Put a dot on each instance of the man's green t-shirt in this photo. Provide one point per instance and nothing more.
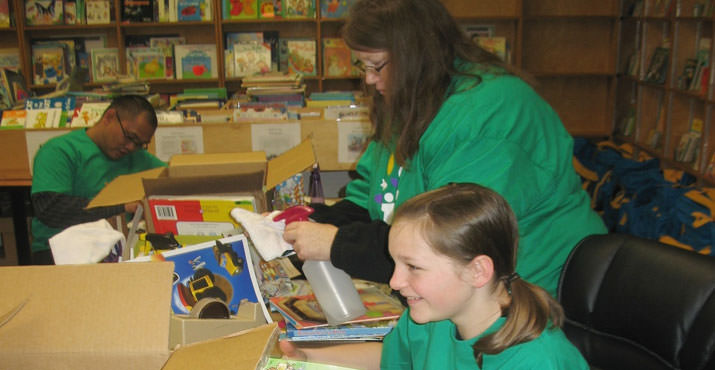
(73, 164)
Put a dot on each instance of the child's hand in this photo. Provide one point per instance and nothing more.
(291, 351)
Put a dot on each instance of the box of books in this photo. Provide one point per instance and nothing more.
(110, 316)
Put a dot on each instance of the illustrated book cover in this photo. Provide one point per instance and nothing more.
(105, 64)
(298, 8)
(150, 63)
(14, 84)
(299, 56)
(335, 8)
(64, 104)
(222, 269)
(251, 58)
(137, 11)
(89, 113)
(240, 9)
(48, 62)
(337, 59)
(196, 61)
(269, 9)
(371, 330)
(304, 311)
(43, 12)
(13, 118)
(98, 11)
(10, 58)
(167, 44)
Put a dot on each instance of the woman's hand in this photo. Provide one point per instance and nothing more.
(311, 240)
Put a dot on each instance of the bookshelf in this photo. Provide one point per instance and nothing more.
(654, 116)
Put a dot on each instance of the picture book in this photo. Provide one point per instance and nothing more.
(13, 118)
(196, 61)
(105, 64)
(4, 14)
(89, 114)
(269, 9)
(43, 118)
(166, 44)
(186, 215)
(494, 44)
(137, 11)
(372, 330)
(70, 12)
(300, 55)
(14, 85)
(233, 38)
(304, 311)
(285, 364)
(71, 48)
(150, 63)
(43, 12)
(658, 66)
(334, 8)
(298, 8)
(98, 11)
(48, 62)
(65, 105)
(222, 269)
(251, 58)
(190, 10)
(337, 59)
(240, 9)
(10, 58)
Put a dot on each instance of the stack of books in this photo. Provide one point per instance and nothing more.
(305, 321)
(272, 88)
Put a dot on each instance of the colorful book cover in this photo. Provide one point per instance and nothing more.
(48, 64)
(372, 330)
(304, 311)
(105, 64)
(167, 46)
(182, 215)
(4, 14)
(284, 364)
(10, 58)
(43, 12)
(301, 56)
(240, 9)
(268, 9)
(70, 12)
(64, 104)
(337, 59)
(13, 119)
(89, 114)
(98, 11)
(189, 10)
(138, 11)
(14, 84)
(196, 61)
(150, 63)
(222, 269)
(334, 8)
(238, 37)
(299, 8)
(43, 118)
(251, 58)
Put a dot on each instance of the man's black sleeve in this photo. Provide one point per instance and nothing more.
(360, 246)
(62, 210)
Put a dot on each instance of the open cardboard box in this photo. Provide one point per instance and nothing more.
(108, 316)
(224, 173)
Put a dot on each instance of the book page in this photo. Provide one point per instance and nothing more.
(178, 140)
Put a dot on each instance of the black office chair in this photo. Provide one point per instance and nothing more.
(633, 303)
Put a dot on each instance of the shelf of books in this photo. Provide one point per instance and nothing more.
(664, 94)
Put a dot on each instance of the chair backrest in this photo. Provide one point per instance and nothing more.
(634, 303)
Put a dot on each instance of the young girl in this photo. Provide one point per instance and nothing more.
(455, 255)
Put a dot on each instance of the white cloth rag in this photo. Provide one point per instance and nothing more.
(85, 243)
(266, 234)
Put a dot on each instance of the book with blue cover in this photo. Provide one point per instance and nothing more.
(220, 269)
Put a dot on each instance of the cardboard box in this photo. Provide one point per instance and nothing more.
(107, 316)
(185, 330)
(229, 173)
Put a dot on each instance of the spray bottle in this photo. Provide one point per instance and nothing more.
(333, 288)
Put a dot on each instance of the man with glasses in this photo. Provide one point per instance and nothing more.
(71, 169)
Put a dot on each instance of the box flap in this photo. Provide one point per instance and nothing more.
(100, 309)
(216, 164)
(124, 188)
(203, 185)
(295, 160)
(245, 350)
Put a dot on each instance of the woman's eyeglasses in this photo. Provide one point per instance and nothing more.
(135, 140)
(366, 68)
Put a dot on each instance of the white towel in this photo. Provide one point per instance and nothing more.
(85, 243)
(266, 234)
